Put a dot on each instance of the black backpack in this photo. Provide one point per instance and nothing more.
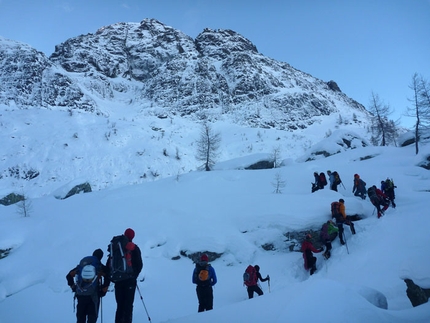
(120, 264)
(371, 192)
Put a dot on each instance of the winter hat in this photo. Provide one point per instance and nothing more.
(341, 200)
(129, 233)
(257, 267)
(308, 236)
(204, 257)
(98, 253)
(356, 175)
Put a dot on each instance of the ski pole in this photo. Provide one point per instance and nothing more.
(141, 298)
(268, 282)
(343, 186)
(346, 244)
(101, 309)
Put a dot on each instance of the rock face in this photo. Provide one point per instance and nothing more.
(416, 294)
(220, 73)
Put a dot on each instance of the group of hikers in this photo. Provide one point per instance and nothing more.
(321, 181)
(90, 279)
(379, 197)
(204, 277)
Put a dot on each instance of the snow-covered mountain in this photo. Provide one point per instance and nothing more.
(131, 88)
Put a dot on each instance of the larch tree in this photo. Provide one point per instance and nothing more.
(208, 146)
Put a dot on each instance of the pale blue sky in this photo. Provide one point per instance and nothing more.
(365, 46)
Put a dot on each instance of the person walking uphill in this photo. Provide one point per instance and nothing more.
(307, 249)
(89, 282)
(204, 277)
(359, 188)
(338, 212)
(124, 265)
(328, 233)
(250, 279)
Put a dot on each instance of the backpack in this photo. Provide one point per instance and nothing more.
(323, 180)
(371, 192)
(389, 184)
(250, 276)
(336, 177)
(120, 264)
(335, 210)
(87, 281)
(202, 275)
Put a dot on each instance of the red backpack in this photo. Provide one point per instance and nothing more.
(250, 276)
(323, 180)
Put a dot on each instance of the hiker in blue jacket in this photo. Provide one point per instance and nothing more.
(204, 277)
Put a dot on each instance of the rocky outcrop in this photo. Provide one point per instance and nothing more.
(416, 294)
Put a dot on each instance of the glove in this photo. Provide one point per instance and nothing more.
(321, 249)
(268, 277)
(73, 288)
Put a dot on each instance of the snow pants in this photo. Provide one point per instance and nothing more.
(124, 296)
(87, 308)
(205, 297)
(252, 289)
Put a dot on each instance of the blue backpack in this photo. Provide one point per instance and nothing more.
(87, 276)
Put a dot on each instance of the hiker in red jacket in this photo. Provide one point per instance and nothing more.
(307, 249)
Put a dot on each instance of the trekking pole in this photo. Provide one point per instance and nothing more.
(141, 298)
(346, 244)
(268, 282)
(101, 309)
(343, 186)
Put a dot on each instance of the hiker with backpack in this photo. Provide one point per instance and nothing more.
(338, 213)
(309, 260)
(378, 199)
(124, 266)
(334, 180)
(359, 187)
(387, 187)
(204, 277)
(89, 281)
(250, 280)
(328, 233)
(319, 182)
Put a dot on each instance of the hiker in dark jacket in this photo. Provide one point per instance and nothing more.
(204, 277)
(359, 188)
(387, 187)
(378, 199)
(125, 289)
(307, 249)
(329, 232)
(255, 287)
(88, 305)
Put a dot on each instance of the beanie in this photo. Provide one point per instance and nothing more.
(98, 253)
(204, 257)
(129, 233)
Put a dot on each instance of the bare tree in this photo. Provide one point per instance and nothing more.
(24, 206)
(208, 146)
(420, 108)
(380, 121)
(278, 184)
(276, 157)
